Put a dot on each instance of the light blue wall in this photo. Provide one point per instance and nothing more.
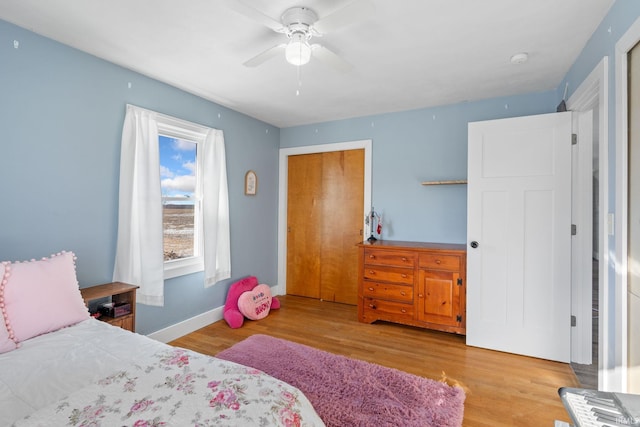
(415, 146)
(61, 115)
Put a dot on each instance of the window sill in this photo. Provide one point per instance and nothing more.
(182, 267)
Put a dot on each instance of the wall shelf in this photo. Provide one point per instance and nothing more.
(445, 182)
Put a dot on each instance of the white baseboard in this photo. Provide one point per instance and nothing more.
(185, 327)
(278, 290)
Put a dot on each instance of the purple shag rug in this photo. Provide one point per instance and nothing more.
(349, 392)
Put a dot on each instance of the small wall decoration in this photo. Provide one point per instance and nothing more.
(250, 183)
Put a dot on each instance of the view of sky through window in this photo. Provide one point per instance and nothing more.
(177, 167)
(178, 182)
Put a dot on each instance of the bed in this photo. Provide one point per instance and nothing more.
(59, 366)
(93, 373)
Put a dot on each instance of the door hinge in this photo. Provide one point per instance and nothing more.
(574, 139)
(574, 229)
(458, 318)
(459, 281)
(573, 321)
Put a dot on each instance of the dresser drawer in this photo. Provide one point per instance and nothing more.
(388, 291)
(388, 274)
(386, 257)
(387, 310)
(440, 262)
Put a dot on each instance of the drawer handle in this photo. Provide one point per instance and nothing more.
(421, 296)
(372, 306)
(403, 310)
(370, 288)
(372, 272)
(438, 261)
(404, 259)
(403, 293)
(372, 256)
(404, 276)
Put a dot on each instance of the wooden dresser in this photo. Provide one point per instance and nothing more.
(414, 283)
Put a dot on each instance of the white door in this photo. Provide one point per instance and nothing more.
(519, 234)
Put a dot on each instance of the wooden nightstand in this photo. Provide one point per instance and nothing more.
(119, 293)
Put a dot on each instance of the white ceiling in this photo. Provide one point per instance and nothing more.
(405, 54)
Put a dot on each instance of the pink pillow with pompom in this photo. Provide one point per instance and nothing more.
(7, 342)
(256, 303)
(42, 296)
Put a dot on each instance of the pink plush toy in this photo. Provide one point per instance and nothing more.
(232, 313)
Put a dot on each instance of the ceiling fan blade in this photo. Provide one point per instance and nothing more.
(254, 14)
(330, 58)
(265, 56)
(356, 11)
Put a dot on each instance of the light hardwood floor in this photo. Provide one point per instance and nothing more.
(503, 389)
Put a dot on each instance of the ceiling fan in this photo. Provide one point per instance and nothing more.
(300, 24)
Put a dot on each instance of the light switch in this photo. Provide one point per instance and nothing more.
(610, 224)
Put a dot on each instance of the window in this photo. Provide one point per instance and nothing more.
(181, 186)
(191, 181)
(180, 202)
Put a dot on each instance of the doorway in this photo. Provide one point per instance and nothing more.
(285, 153)
(589, 279)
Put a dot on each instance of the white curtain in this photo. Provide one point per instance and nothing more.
(217, 241)
(139, 251)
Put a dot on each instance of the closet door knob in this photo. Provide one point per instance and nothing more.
(474, 244)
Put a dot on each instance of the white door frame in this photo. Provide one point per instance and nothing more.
(594, 92)
(365, 144)
(619, 364)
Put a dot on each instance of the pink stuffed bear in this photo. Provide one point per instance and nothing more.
(232, 313)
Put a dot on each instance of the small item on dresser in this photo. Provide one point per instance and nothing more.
(373, 220)
(115, 310)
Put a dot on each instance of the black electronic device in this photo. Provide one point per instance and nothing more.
(115, 310)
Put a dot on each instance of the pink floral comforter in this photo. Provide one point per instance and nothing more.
(178, 387)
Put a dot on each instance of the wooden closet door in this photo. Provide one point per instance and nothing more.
(325, 199)
(343, 187)
(304, 230)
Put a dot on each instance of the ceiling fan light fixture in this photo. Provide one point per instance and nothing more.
(519, 58)
(298, 51)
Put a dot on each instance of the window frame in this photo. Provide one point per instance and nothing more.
(175, 128)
